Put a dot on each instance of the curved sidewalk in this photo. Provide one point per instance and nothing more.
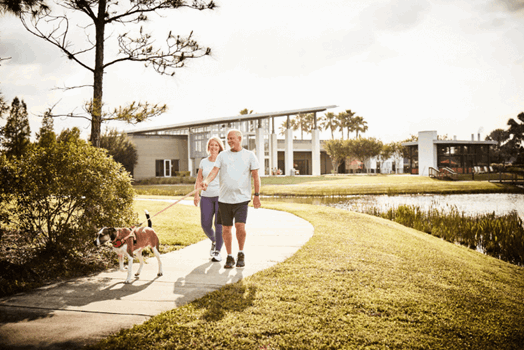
(84, 310)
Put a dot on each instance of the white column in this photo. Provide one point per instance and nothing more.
(289, 152)
(259, 144)
(273, 155)
(315, 152)
(427, 152)
(189, 160)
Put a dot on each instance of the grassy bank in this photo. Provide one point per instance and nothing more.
(350, 185)
(360, 282)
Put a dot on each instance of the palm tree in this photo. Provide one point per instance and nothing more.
(331, 122)
(345, 121)
(360, 125)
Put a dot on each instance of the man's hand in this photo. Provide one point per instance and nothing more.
(204, 185)
(256, 202)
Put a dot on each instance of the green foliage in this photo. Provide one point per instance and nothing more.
(337, 150)
(46, 134)
(16, 132)
(120, 147)
(61, 193)
(498, 236)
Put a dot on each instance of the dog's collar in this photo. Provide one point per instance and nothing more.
(118, 242)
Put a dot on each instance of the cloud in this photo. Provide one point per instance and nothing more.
(397, 15)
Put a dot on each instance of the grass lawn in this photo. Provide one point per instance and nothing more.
(360, 282)
(345, 185)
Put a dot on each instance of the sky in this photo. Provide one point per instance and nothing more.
(454, 66)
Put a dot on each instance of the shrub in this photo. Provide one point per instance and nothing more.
(60, 193)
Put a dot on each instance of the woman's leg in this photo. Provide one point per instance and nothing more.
(207, 210)
(218, 227)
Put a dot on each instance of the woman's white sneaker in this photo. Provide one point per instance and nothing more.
(216, 256)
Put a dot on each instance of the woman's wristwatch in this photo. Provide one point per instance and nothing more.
(257, 194)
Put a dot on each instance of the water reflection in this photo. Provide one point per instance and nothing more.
(470, 204)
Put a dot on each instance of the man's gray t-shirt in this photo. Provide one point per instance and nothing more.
(235, 175)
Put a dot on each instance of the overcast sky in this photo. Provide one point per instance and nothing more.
(454, 66)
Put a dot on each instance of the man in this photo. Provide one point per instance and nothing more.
(235, 167)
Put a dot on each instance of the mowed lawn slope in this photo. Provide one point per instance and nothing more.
(360, 282)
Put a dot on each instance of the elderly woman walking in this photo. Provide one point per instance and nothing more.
(209, 198)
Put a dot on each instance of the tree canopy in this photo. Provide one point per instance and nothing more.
(109, 25)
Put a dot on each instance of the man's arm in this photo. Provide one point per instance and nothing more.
(256, 182)
(212, 174)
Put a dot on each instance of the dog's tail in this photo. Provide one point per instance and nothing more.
(148, 217)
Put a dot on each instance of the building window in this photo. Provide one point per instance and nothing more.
(166, 167)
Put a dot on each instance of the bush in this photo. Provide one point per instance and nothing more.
(60, 193)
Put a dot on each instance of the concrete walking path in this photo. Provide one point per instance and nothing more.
(84, 310)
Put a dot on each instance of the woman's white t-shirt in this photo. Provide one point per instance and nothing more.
(212, 190)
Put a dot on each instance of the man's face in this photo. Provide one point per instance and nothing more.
(233, 141)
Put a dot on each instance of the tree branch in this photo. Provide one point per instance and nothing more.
(58, 40)
(164, 62)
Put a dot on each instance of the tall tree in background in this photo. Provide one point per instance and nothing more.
(337, 150)
(501, 153)
(105, 17)
(345, 121)
(16, 132)
(46, 135)
(120, 147)
(516, 132)
(359, 125)
(329, 121)
(302, 122)
(364, 148)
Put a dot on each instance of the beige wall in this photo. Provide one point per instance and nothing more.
(151, 148)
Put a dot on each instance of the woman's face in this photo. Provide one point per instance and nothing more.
(214, 148)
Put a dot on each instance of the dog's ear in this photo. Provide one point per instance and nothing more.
(112, 233)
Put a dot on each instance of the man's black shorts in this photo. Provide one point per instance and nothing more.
(228, 212)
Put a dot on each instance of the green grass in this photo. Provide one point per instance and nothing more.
(360, 282)
(345, 185)
(177, 227)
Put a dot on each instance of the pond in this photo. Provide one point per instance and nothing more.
(470, 204)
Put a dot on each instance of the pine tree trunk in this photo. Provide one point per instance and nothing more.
(96, 116)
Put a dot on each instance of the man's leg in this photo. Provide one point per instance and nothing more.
(240, 227)
(227, 235)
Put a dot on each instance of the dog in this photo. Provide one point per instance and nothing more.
(128, 241)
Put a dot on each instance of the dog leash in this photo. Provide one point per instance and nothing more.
(132, 233)
(163, 210)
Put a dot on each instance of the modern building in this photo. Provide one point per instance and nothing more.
(162, 151)
(459, 156)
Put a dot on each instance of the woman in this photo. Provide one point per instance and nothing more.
(209, 198)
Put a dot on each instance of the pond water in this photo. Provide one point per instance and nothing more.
(470, 204)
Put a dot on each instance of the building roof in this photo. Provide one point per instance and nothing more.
(238, 118)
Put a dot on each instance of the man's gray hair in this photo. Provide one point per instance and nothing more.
(237, 132)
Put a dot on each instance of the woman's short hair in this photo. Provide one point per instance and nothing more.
(218, 140)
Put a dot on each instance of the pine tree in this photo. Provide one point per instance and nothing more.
(16, 131)
(46, 135)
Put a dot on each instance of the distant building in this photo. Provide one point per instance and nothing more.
(459, 156)
(163, 151)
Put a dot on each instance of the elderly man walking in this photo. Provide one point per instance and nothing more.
(235, 168)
